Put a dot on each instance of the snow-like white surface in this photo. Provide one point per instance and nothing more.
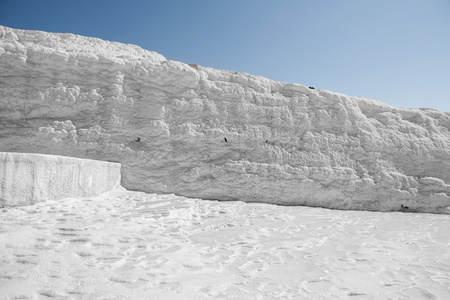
(131, 245)
(27, 178)
(84, 97)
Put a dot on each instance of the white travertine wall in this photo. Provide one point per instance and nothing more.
(27, 178)
(287, 144)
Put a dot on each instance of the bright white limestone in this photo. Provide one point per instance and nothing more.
(84, 97)
(27, 178)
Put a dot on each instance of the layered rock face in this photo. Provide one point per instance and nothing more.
(167, 121)
(27, 178)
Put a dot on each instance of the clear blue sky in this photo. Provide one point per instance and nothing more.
(397, 51)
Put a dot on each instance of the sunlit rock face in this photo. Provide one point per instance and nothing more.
(167, 121)
(28, 178)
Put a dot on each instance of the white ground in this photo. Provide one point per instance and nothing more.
(132, 245)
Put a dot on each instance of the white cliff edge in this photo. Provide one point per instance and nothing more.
(167, 121)
(27, 178)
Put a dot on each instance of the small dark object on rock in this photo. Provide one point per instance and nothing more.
(138, 140)
(225, 140)
(311, 87)
(404, 207)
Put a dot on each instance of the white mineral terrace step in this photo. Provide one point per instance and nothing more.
(27, 178)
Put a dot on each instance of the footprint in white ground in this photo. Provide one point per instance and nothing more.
(254, 267)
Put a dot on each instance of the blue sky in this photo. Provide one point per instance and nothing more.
(397, 51)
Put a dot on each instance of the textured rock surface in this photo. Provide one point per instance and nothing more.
(29, 178)
(84, 97)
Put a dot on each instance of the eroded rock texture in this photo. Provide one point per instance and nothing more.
(286, 144)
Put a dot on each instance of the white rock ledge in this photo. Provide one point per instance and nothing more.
(27, 178)
(214, 134)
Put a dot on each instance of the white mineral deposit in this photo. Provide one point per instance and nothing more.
(167, 122)
(133, 245)
(364, 187)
